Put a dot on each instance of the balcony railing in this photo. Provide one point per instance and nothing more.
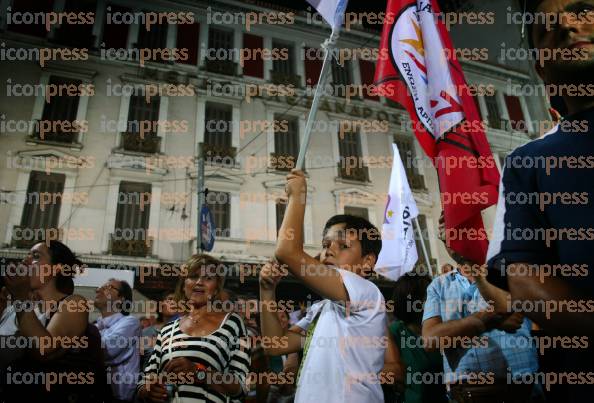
(279, 78)
(210, 151)
(226, 67)
(130, 247)
(359, 174)
(282, 162)
(57, 136)
(150, 144)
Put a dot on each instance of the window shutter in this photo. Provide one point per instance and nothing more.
(514, 110)
(33, 216)
(253, 67)
(367, 69)
(313, 68)
(188, 36)
(115, 35)
(30, 6)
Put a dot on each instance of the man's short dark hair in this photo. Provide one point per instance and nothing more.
(368, 234)
(125, 291)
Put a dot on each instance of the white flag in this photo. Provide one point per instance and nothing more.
(399, 251)
(331, 10)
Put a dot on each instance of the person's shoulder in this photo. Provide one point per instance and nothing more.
(547, 144)
(169, 325)
(235, 320)
(442, 280)
(359, 281)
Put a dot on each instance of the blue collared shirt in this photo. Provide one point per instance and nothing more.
(120, 339)
(453, 297)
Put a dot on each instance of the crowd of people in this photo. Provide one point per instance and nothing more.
(452, 337)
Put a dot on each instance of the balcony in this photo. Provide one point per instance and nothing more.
(282, 162)
(130, 247)
(210, 151)
(280, 78)
(58, 136)
(358, 174)
(226, 67)
(150, 144)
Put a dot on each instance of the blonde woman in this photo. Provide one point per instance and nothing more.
(202, 356)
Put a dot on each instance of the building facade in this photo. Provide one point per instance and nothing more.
(116, 179)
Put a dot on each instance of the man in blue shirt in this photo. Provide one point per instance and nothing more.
(484, 351)
(544, 228)
(120, 337)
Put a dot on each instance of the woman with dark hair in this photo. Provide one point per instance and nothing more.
(410, 293)
(63, 351)
(204, 355)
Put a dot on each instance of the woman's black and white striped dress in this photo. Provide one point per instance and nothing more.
(226, 350)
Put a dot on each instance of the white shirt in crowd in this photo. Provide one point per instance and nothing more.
(120, 339)
(346, 351)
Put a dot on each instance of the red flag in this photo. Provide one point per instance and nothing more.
(420, 72)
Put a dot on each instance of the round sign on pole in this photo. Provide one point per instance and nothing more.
(207, 229)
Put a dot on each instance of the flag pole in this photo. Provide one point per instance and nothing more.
(423, 245)
(329, 45)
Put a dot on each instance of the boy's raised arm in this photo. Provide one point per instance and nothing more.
(322, 279)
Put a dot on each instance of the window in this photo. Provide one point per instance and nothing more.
(367, 69)
(220, 43)
(283, 70)
(313, 66)
(407, 155)
(357, 211)
(115, 35)
(33, 7)
(281, 207)
(341, 78)
(494, 115)
(59, 111)
(219, 204)
(154, 38)
(284, 66)
(286, 144)
(130, 237)
(188, 36)
(141, 116)
(140, 111)
(349, 146)
(516, 116)
(38, 215)
(217, 133)
(77, 35)
(133, 206)
(254, 66)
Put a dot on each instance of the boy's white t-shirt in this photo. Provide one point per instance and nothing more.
(346, 351)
